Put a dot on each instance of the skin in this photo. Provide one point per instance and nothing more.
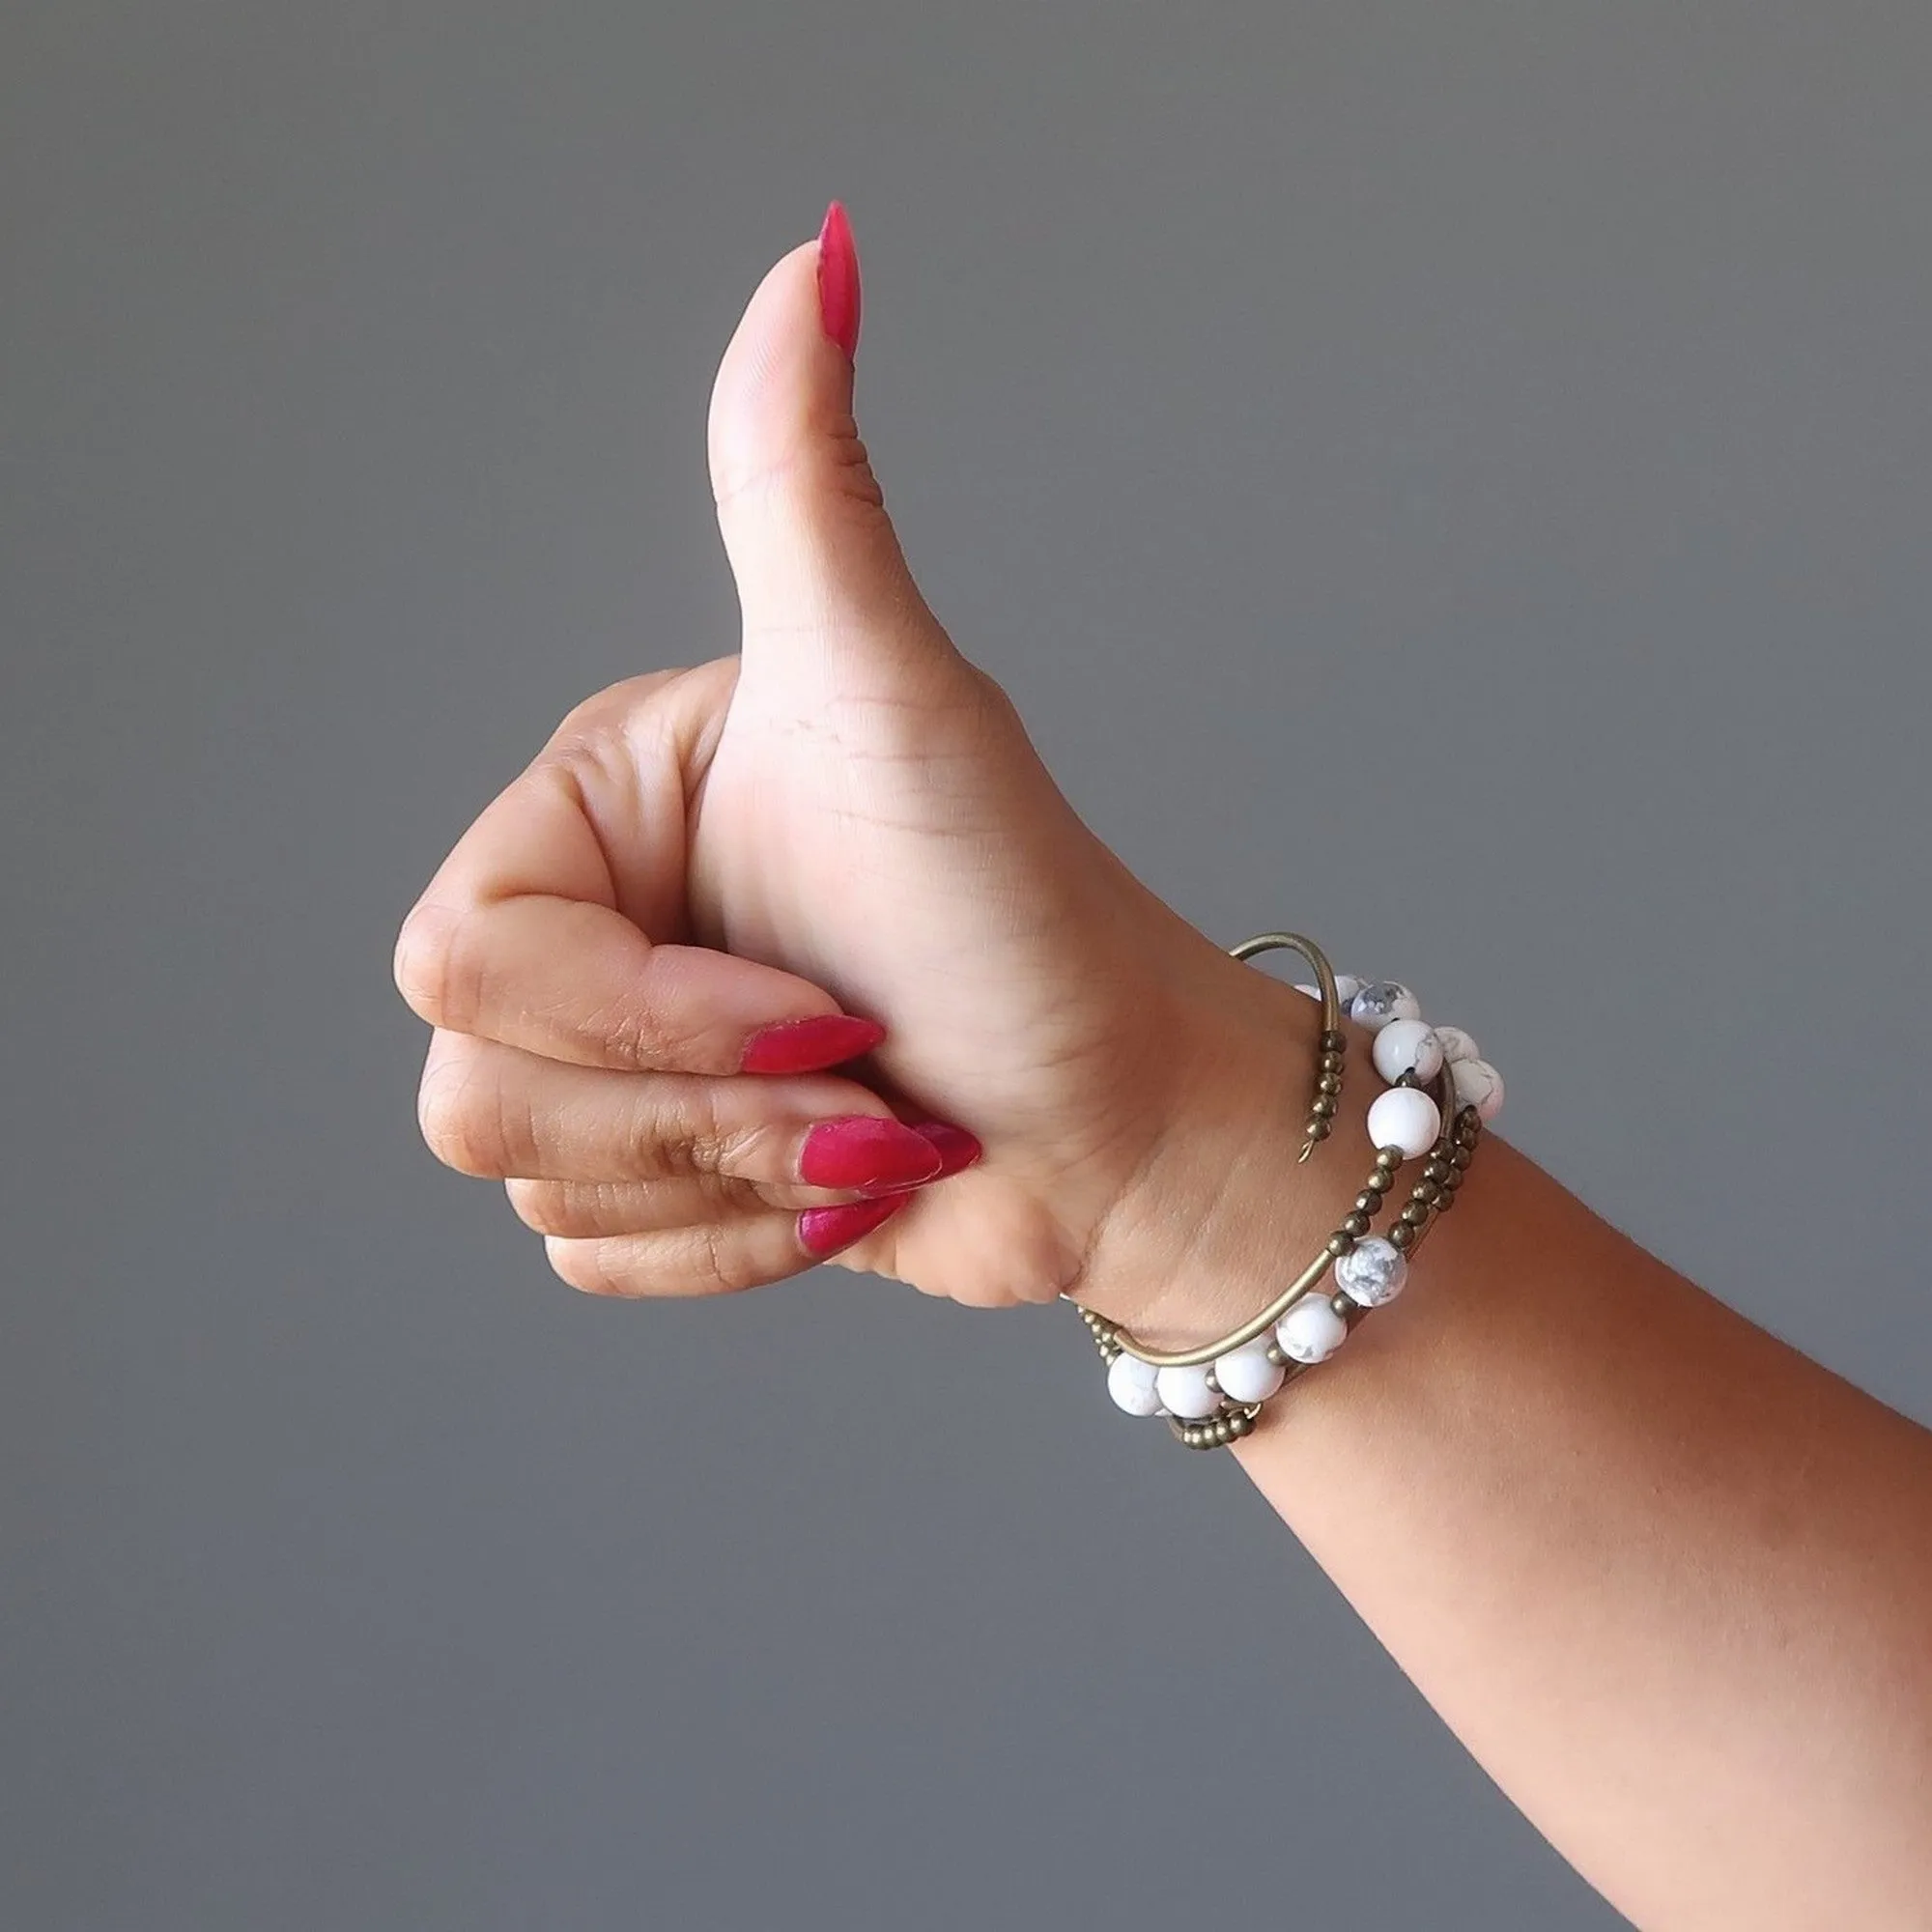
(1665, 1579)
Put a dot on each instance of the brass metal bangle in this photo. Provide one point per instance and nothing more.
(1257, 1324)
(1334, 1042)
(1433, 1195)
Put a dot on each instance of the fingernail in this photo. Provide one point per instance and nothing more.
(958, 1149)
(865, 1150)
(824, 1230)
(839, 281)
(810, 1046)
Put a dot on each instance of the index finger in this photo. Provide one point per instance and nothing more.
(530, 932)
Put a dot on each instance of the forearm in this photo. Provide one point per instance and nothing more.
(1670, 1581)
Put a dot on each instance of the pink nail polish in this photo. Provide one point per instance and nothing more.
(824, 1230)
(839, 281)
(861, 1150)
(958, 1149)
(810, 1046)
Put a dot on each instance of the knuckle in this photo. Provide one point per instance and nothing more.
(459, 1121)
(579, 1264)
(435, 972)
(706, 1144)
(542, 1206)
(717, 1263)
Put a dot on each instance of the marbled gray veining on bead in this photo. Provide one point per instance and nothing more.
(1371, 1272)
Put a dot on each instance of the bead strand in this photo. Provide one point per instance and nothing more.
(1212, 1395)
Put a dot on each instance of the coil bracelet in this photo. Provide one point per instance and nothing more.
(1211, 1395)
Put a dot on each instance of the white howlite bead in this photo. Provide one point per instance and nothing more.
(1480, 1086)
(1246, 1374)
(1130, 1382)
(1371, 1272)
(1457, 1044)
(1381, 1001)
(1311, 1331)
(1407, 1046)
(1346, 986)
(1406, 1117)
(1185, 1391)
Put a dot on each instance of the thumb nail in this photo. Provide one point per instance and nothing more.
(839, 281)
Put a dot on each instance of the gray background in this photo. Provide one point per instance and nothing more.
(1454, 477)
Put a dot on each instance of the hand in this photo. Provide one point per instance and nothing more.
(846, 817)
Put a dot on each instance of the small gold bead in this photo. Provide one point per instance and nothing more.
(1323, 1108)
(1339, 1242)
(1427, 1190)
(1214, 1387)
(1357, 1224)
(1275, 1353)
(1400, 1235)
(1318, 1130)
(1388, 1158)
(1460, 1159)
(1415, 1214)
(1334, 1041)
(1368, 1201)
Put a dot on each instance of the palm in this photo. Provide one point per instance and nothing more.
(906, 850)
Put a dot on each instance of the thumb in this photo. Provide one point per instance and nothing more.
(802, 516)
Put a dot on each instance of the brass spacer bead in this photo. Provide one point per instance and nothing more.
(1323, 1108)
(1368, 1201)
(1388, 1158)
(1318, 1130)
(1438, 1169)
(1340, 1242)
(1415, 1214)
(1402, 1235)
(1334, 1041)
(1460, 1159)
(1356, 1224)
(1427, 1190)
(1276, 1354)
(1328, 1083)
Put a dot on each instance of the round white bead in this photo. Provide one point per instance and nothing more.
(1246, 1374)
(1346, 986)
(1406, 1117)
(1311, 1331)
(1407, 1046)
(1371, 1272)
(1185, 1392)
(1457, 1044)
(1130, 1382)
(1480, 1086)
(1381, 1001)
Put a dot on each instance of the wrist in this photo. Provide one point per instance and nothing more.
(1222, 1212)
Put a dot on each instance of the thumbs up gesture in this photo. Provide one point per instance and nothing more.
(801, 954)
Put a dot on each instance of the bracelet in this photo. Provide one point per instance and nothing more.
(1211, 1395)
